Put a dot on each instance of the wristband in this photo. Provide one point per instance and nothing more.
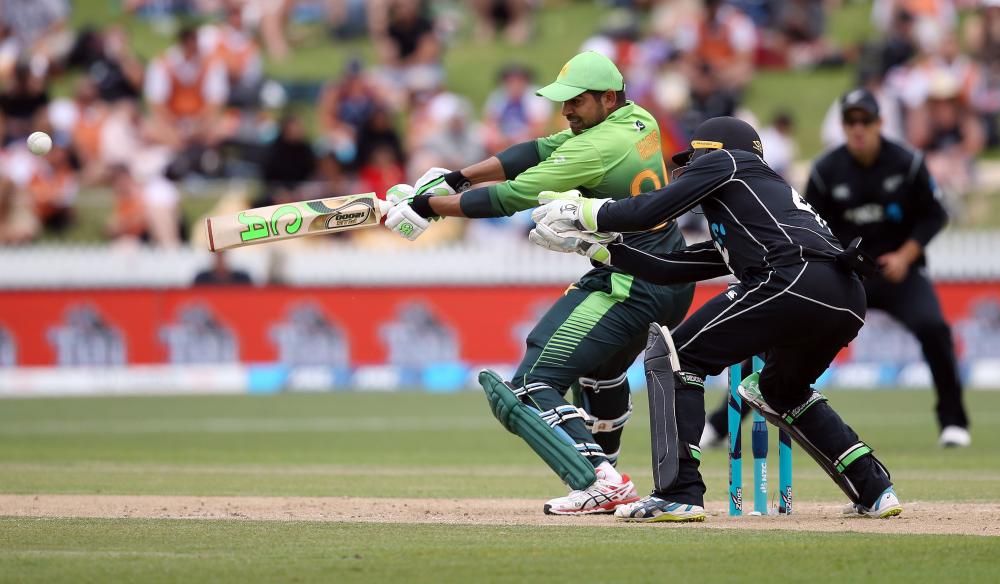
(457, 181)
(422, 205)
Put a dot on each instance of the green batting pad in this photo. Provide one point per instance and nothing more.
(571, 466)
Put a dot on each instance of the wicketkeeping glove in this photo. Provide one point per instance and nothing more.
(568, 211)
(591, 245)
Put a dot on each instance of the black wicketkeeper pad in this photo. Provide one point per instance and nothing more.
(660, 363)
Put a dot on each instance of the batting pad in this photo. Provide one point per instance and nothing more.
(557, 452)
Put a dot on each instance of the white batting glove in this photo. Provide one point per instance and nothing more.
(590, 245)
(399, 193)
(567, 211)
(432, 183)
(401, 218)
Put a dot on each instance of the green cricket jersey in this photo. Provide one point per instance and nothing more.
(618, 158)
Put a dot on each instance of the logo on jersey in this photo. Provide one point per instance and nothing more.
(892, 183)
(841, 192)
(865, 214)
(639, 126)
(718, 232)
(732, 293)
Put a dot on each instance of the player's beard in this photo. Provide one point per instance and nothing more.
(583, 126)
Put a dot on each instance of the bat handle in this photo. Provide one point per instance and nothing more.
(383, 208)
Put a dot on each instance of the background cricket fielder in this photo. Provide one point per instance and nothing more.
(595, 331)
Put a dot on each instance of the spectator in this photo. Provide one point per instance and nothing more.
(80, 121)
(938, 50)
(145, 211)
(109, 62)
(798, 37)
(509, 16)
(348, 19)
(940, 12)
(618, 39)
(53, 188)
(405, 42)
(982, 31)
(128, 219)
(986, 99)
(900, 43)
(40, 29)
(220, 274)
(947, 129)
(233, 45)
(513, 113)
(382, 169)
(274, 17)
(186, 92)
(23, 104)
(456, 142)
(379, 133)
(718, 48)
(18, 223)
(779, 143)
(10, 52)
(344, 109)
(288, 162)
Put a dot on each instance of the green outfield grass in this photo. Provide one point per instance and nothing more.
(419, 445)
(412, 444)
(186, 551)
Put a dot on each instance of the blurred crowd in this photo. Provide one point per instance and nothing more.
(151, 131)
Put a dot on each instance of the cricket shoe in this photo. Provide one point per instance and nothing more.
(601, 497)
(955, 437)
(651, 509)
(887, 505)
(711, 439)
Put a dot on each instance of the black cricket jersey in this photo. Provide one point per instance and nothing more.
(886, 203)
(757, 221)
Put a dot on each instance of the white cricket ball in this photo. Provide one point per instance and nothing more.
(39, 143)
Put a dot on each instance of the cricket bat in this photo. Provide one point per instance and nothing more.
(290, 220)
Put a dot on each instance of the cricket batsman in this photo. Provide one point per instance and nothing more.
(591, 335)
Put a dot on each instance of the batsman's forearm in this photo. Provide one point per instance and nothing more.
(447, 206)
(474, 204)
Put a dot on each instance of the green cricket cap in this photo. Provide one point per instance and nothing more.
(588, 71)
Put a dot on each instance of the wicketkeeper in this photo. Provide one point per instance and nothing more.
(591, 335)
(799, 300)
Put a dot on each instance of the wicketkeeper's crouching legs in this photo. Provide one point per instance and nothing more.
(770, 322)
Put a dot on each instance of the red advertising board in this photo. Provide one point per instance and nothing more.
(485, 324)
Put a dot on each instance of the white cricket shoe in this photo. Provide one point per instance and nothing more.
(711, 439)
(955, 437)
(652, 509)
(887, 505)
(601, 497)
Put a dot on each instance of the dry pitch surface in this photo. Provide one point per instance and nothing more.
(918, 517)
